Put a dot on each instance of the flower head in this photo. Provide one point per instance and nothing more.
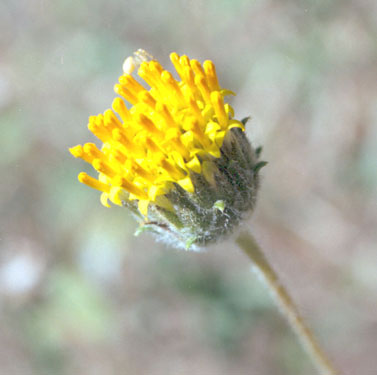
(176, 157)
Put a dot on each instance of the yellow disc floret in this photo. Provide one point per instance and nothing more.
(168, 133)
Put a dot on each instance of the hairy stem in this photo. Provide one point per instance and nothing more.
(285, 303)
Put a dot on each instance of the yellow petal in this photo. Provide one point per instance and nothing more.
(186, 184)
(194, 165)
(143, 207)
(104, 199)
(117, 195)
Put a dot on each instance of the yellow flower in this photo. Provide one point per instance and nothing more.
(172, 133)
(168, 131)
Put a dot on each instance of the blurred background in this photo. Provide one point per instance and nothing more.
(79, 294)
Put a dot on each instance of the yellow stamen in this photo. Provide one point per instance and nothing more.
(127, 94)
(98, 130)
(93, 183)
(92, 150)
(78, 152)
(174, 58)
(218, 105)
(171, 83)
(185, 61)
(130, 187)
(165, 113)
(145, 73)
(102, 167)
(149, 125)
(147, 98)
(198, 69)
(129, 83)
(156, 67)
(201, 82)
(120, 108)
(196, 111)
(189, 78)
(151, 145)
(171, 170)
(119, 136)
(142, 172)
(111, 121)
(210, 70)
(118, 156)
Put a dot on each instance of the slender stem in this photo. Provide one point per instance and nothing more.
(285, 303)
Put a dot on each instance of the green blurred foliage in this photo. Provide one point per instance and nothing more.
(80, 295)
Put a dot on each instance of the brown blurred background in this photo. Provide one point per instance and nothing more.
(79, 294)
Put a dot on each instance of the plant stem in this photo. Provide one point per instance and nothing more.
(285, 303)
